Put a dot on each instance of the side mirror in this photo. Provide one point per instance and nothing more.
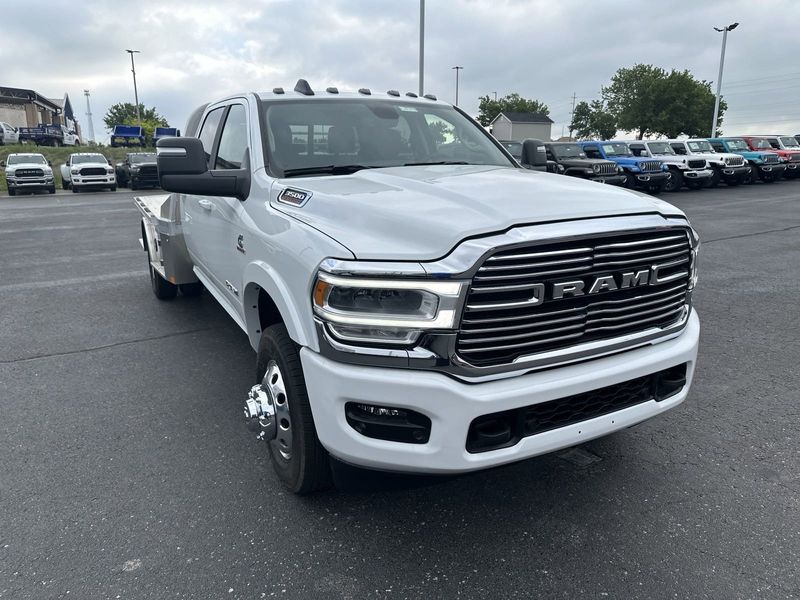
(2, 164)
(49, 163)
(534, 153)
(183, 168)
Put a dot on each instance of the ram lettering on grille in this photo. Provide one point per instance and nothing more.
(554, 295)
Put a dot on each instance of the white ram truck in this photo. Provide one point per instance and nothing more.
(85, 170)
(728, 167)
(693, 172)
(28, 172)
(417, 301)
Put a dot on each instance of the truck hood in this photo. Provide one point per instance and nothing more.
(586, 163)
(421, 213)
(31, 165)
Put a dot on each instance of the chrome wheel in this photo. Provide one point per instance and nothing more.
(275, 385)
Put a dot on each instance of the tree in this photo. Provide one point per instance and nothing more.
(593, 121)
(650, 100)
(488, 109)
(124, 113)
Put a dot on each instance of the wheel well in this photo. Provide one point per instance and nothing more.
(268, 313)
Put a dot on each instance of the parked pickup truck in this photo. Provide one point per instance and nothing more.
(165, 132)
(49, 135)
(692, 172)
(648, 174)
(417, 301)
(138, 170)
(728, 167)
(766, 166)
(8, 134)
(568, 158)
(784, 146)
(87, 170)
(28, 173)
(126, 135)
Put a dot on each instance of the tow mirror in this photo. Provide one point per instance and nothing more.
(2, 164)
(183, 168)
(534, 154)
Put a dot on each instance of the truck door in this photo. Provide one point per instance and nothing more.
(227, 237)
(197, 210)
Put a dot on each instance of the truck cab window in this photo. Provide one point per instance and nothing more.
(209, 131)
(233, 142)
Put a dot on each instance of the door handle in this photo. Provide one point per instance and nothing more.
(207, 204)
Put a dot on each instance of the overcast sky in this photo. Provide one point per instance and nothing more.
(194, 51)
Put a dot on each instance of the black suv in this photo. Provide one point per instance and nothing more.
(139, 170)
(568, 158)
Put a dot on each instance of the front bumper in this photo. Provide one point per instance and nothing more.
(144, 180)
(734, 172)
(94, 180)
(792, 169)
(609, 179)
(649, 179)
(698, 174)
(772, 169)
(452, 405)
(30, 183)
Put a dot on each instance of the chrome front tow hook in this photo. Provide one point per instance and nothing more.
(259, 412)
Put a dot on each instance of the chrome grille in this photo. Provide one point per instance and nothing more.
(771, 159)
(609, 168)
(734, 161)
(501, 322)
(29, 173)
(650, 165)
(696, 163)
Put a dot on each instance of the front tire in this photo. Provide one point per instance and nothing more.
(298, 458)
(12, 192)
(51, 190)
(674, 182)
(75, 189)
(715, 179)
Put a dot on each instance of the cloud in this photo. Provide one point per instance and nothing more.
(192, 52)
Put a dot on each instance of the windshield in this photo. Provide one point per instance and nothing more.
(790, 142)
(700, 146)
(141, 158)
(514, 148)
(660, 148)
(617, 149)
(80, 159)
(340, 136)
(761, 144)
(19, 159)
(568, 151)
(738, 145)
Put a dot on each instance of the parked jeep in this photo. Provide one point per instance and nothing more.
(773, 143)
(138, 170)
(569, 158)
(766, 166)
(728, 167)
(692, 172)
(648, 174)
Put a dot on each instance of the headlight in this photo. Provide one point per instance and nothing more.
(664, 167)
(109, 170)
(75, 171)
(380, 311)
(620, 169)
(561, 168)
(596, 168)
(134, 168)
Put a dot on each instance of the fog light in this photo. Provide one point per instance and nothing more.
(388, 423)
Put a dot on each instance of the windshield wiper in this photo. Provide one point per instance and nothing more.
(326, 170)
(441, 162)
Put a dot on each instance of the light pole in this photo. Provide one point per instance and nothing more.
(89, 115)
(457, 69)
(724, 31)
(135, 91)
(495, 96)
(421, 46)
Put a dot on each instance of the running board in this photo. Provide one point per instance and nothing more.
(223, 301)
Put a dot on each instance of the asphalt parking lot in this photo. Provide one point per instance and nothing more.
(127, 471)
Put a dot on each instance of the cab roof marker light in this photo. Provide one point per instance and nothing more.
(277, 90)
(411, 95)
(332, 90)
(393, 93)
(430, 97)
(365, 91)
(302, 87)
